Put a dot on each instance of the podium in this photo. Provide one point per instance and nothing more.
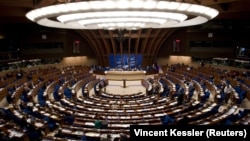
(124, 83)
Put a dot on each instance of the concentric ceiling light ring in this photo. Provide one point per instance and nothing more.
(189, 14)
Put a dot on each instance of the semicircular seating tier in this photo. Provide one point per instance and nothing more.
(63, 103)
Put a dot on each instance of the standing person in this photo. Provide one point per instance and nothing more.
(98, 122)
(105, 123)
(202, 63)
(83, 137)
(106, 137)
(180, 98)
(123, 137)
(70, 118)
(167, 120)
(155, 66)
(227, 91)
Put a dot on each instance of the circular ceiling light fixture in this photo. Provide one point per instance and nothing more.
(122, 14)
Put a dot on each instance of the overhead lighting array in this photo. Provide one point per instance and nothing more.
(122, 14)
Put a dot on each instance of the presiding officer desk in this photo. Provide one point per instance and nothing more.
(125, 75)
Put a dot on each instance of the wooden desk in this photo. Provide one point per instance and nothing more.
(125, 75)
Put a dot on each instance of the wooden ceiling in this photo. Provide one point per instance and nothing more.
(104, 42)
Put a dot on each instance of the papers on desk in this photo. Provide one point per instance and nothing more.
(18, 114)
(29, 93)
(66, 131)
(214, 104)
(224, 116)
(195, 103)
(145, 116)
(98, 104)
(120, 111)
(177, 110)
(78, 132)
(50, 104)
(134, 105)
(96, 98)
(113, 111)
(215, 119)
(107, 95)
(206, 110)
(126, 106)
(79, 106)
(55, 106)
(71, 104)
(80, 99)
(47, 114)
(54, 117)
(15, 133)
(139, 100)
(92, 134)
(88, 102)
(30, 104)
(205, 123)
(245, 122)
(114, 107)
(62, 109)
(130, 110)
(120, 102)
(160, 107)
(144, 104)
(173, 103)
(141, 110)
(38, 124)
(162, 100)
(134, 117)
(112, 102)
(159, 115)
(98, 110)
(120, 125)
(89, 123)
(80, 114)
(113, 117)
(143, 124)
(125, 117)
(131, 101)
(198, 113)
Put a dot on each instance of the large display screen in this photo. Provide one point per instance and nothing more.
(243, 52)
(125, 61)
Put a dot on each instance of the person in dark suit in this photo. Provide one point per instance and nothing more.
(180, 98)
(83, 137)
(69, 119)
(123, 137)
(183, 121)
(98, 122)
(167, 120)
